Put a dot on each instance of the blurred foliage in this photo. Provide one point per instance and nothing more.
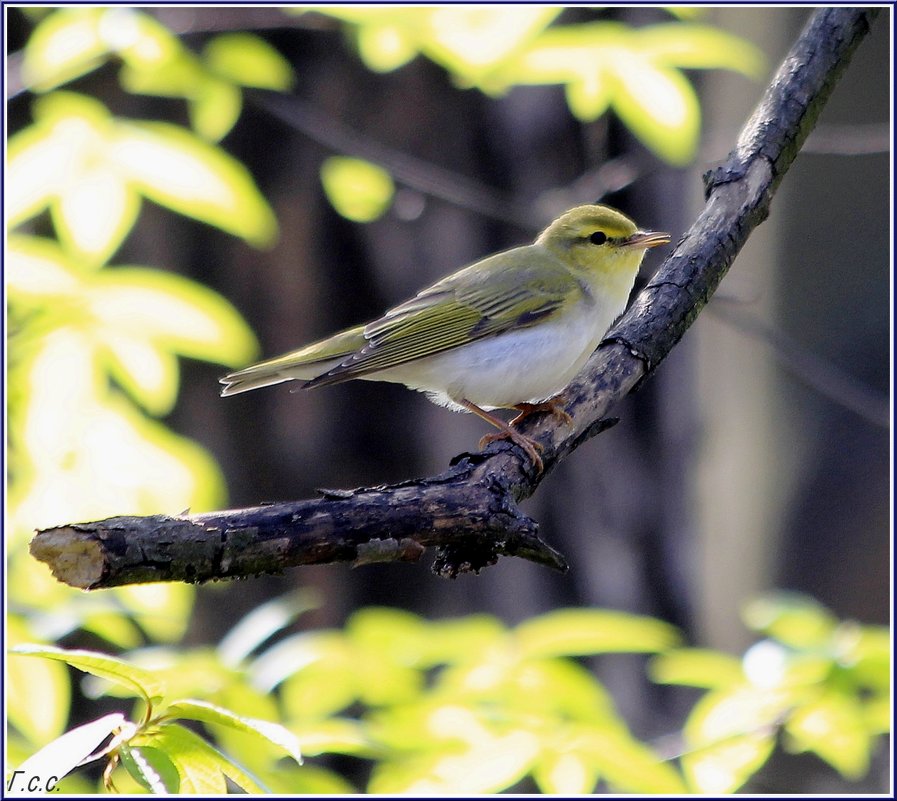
(452, 706)
(470, 706)
(636, 72)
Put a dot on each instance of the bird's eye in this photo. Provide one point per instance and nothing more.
(598, 238)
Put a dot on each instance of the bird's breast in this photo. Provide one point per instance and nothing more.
(527, 365)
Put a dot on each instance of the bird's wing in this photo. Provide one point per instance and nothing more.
(491, 297)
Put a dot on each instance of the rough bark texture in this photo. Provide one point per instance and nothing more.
(470, 512)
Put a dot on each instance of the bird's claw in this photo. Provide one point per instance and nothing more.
(530, 446)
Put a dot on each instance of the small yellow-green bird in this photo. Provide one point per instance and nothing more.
(509, 331)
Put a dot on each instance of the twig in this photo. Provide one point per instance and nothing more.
(470, 512)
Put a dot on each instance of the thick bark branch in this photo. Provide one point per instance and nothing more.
(470, 512)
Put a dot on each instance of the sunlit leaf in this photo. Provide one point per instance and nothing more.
(178, 76)
(178, 170)
(722, 767)
(64, 753)
(209, 713)
(173, 311)
(146, 371)
(214, 108)
(833, 727)
(696, 667)
(574, 632)
(138, 681)
(358, 190)
(37, 269)
(386, 47)
(248, 60)
(334, 736)
(36, 167)
(866, 652)
(631, 766)
(791, 618)
(151, 768)
(565, 773)
(140, 41)
(28, 680)
(199, 766)
(63, 46)
(112, 626)
(659, 106)
(700, 47)
(742, 709)
(312, 780)
(95, 212)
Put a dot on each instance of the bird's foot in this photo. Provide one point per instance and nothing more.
(552, 407)
(530, 446)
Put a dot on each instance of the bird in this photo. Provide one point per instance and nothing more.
(509, 331)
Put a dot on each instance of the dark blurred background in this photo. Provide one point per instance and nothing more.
(732, 470)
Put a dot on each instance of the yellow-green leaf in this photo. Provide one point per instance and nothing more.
(833, 726)
(700, 47)
(173, 312)
(177, 169)
(161, 610)
(95, 212)
(37, 270)
(384, 48)
(138, 681)
(630, 766)
(248, 60)
(64, 45)
(358, 190)
(214, 108)
(151, 768)
(576, 632)
(199, 766)
(37, 162)
(791, 618)
(209, 713)
(565, 773)
(27, 681)
(144, 369)
(722, 767)
(659, 106)
(696, 667)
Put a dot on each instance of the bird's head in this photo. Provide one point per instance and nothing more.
(599, 238)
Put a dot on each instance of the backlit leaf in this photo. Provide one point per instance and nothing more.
(63, 46)
(248, 60)
(214, 108)
(199, 766)
(576, 632)
(833, 727)
(210, 713)
(138, 681)
(696, 667)
(791, 618)
(722, 767)
(358, 190)
(151, 768)
(177, 169)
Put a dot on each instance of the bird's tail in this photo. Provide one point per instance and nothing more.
(303, 364)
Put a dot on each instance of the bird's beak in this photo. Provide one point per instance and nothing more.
(646, 239)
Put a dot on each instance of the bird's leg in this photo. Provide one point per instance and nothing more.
(531, 447)
(552, 406)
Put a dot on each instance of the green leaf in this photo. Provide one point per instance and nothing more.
(38, 272)
(579, 632)
(178, 170)
(138, 681)
(27, 681)
(173, 312)
(161, 610)
(199, 766)
(565, 773)
(248, 60)
(791, 618)
(722, 767)
(63, 46)
(215, 107)
(358, 190)
(833, 726)
(629, 765)
(63, 754)
(659, 106)
(696, 667)
(384, 48)
(94, 213)
(36, 163)
(151, 768)
(209, 713)
(334, 736)
(700, 47)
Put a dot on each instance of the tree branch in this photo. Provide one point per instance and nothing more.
(470, 513)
